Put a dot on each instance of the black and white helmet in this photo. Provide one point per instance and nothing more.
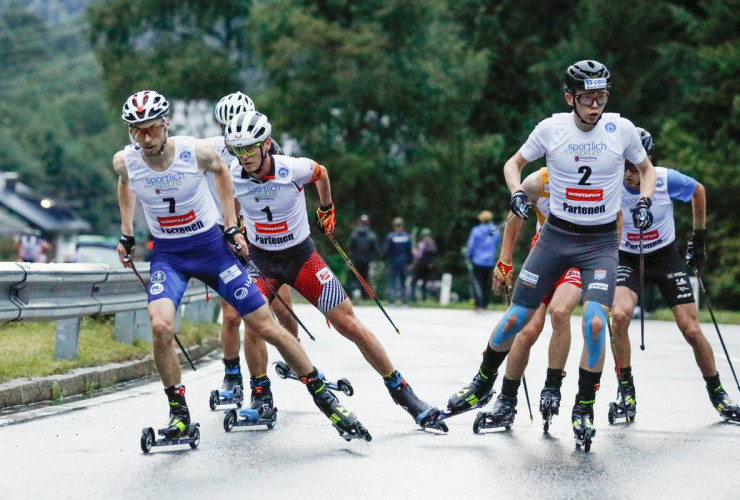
(246, 129)
(646, 139)
(144, 105)
(587, 75)
(231, 105)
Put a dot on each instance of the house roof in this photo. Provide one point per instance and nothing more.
(22, 202)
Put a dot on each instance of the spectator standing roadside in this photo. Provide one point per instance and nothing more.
(397, 251)
(425, 257)
(363, 249)
(481, 254)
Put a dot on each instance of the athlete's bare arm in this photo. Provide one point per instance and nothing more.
(324, 186)
(126, 205)
(513, 171)
(209, 161)
(648, 177)
(699, 206)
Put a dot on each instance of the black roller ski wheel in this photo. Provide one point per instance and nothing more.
(273, 419)
(213, 400)
(282, 369)
(546, 425)
(195, 436)
(478, 422)
(229, 420)
(612, 416)
(239, 396)
(345, 386)
(147, 439)
(587, 445)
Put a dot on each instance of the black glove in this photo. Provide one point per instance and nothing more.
(230, 233)
(127, 242)
(695, 249)
(519, 204)
(641, 215)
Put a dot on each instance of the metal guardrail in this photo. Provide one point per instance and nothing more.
(66, 292)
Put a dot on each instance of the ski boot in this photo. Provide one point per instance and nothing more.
(260, 411)
(403, 395)
(178, 429)
(583, 425)
(626, 405)
(724, 405)
(549, 405)
(284, 371)
(343, 420)
(474, 395)
(231, 391)
(502, 415)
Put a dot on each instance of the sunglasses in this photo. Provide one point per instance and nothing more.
(151, 130)
(246, 150)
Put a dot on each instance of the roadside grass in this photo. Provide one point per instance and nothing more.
(27, 349)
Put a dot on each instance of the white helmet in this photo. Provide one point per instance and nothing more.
(246, 129)
(144, 105)
(231, 105)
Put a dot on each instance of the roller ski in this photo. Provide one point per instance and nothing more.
(549, 406)
(426, 416)
(583, 425)
(231, 391)
(284, 371)
(502, 415)
(343, 420)
(625, 406)
(260, 412)
(724, 405)
(475, 395)
(178, 429)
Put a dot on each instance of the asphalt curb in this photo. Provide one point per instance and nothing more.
(22, 391)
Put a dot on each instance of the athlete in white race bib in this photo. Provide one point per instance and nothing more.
(166, 174)
(270, 189)
(585, 152)
(664, 268)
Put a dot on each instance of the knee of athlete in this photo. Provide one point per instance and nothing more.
(691, 331)
(595, 318)
(560, 317)
(511, 324)
(162, 329)
(621, 317)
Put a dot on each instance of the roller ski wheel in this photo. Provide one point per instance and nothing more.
(190, 436)
(213, 400)
(583, 426)
(344, 385)
(618, 410)
(283, 371)
(222, 398)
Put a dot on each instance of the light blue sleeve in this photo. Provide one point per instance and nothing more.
(471, 243)
(680, 186)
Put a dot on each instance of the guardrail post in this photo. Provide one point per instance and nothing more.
(123, 327)
(143, 325)
(178, 320)
(445, 289)
(67, 338)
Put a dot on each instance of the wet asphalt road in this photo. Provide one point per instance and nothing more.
(677, 448)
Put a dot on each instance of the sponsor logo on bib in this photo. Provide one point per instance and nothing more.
(229, 274)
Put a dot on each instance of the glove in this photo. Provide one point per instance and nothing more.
(325, 220)
(127, 242)
(695, 249)
(641, 215)
(230, 234)
(503, 270)
(519, 204)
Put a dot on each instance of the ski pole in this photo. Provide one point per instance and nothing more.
(524, 377)
(642, 296)
(143, 283)
(498, 228)
(269, 286)
(360, 278)
(716, 327)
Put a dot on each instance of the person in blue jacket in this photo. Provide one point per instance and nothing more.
(397, 251)
(481, 254)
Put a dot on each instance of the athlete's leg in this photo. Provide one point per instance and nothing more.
(162, 314)
(230, 330)
(566, 297)
(685, 315)
(518, 357)
(594, 334)
(282, 313)
(343, 318)
(625, 301)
